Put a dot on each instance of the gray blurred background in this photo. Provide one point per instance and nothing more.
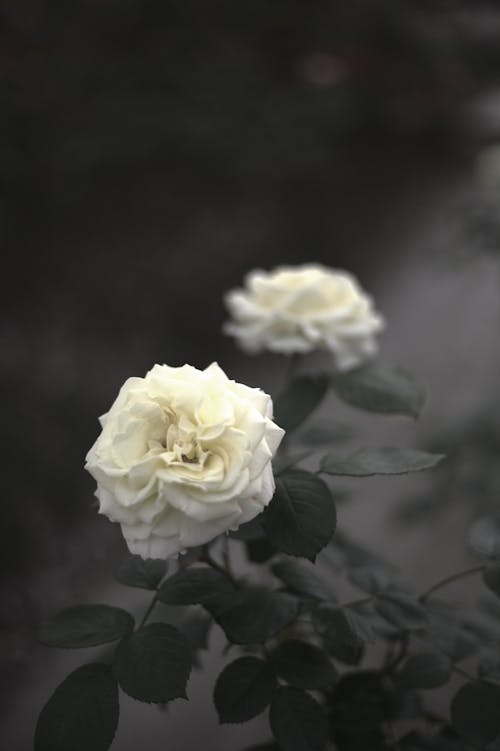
(153, 152)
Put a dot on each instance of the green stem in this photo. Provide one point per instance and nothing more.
(449, 580)
(149, 610)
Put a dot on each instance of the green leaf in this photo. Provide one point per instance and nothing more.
(303, 665)
(475, 712)
(254, 614)
(301, 518)
(484, 536)
(426, 670)
(380, 388)
(144, 573)
(298, 722)
(402, 610)
(82, 713)
(153, 664)
(340, 633)
(382, 461)
(301, 578)
(251, 530)
(300, 397)
(259, 551)
(86, 626)
(244, 689)
(194, 585)
(491, 576)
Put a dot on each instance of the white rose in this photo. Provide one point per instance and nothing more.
(184, 454)
(302, 308)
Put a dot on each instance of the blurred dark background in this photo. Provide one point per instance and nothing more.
(153, 152)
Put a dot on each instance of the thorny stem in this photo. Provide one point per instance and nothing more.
(448, 580)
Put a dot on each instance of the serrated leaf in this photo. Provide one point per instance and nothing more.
(425, 670)
(301, 578)
(298, 400)
(82, 713)
(491, 576)
(303, 665)
(484, 536)
(475, 712)
(244, 689)
(86, 626)
(402, 610)
(339, 632)
(382, 461)
(254, 614)
(144, 573)
(301, 518)
(380, 388)
(298, 722)
(153, 664)
(196, 585)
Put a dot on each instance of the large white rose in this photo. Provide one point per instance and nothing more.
(302, 308)
(184, 454)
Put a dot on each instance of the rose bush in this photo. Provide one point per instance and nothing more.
(184, 454)
(299, 309)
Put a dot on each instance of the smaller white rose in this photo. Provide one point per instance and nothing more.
(184, 455)
(296, 309)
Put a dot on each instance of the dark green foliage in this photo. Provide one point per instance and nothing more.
(303, 665)
(195, 626)
(298, 400)
(302, 578)
(301, 518)
(298, 722)
(425, 670)
(380, 388)
(401, 609)
(259, 551)
(153, 664)
(86, 626)
(244, 689)
(491, 576)
(82, 713)
(382, 461)
(254, 614)
(194, 585)
(340, 633)
(137, 572)
(359, 705)
(475, 712)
